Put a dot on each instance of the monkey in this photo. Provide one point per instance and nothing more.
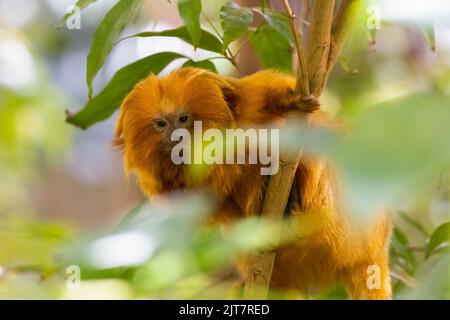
(331, 250)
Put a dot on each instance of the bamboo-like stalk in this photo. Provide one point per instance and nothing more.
(260, 266)
(318, 42)
(277, 193)
(319, 63)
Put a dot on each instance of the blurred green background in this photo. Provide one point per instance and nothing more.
(64, 197)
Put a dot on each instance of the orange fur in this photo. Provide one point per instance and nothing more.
(330, 248)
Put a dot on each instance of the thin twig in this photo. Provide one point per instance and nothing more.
(418, 249)
(232, 59)
(238, 51)
(212, 25)
(227, 54)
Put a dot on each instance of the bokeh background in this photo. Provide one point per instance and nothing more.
(59, 184)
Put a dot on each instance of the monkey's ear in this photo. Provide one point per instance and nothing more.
(231, 94)
(118, 134)
(230, 88)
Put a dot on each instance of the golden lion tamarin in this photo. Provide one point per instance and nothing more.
(331, 249)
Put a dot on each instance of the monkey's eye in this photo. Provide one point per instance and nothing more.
(160, 123)
(183, 118)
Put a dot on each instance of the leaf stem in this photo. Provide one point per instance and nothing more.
(212, 26)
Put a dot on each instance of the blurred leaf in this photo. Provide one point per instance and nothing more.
(190, 13)
(279, 21)
(394, 149)
(429, 35)
(107, 34)
(404, 277)
(32, 245)
(167, 224)
(235, 20)
(399, 248)
(343, 61)
(372, 36)
(209, 250)
(131, 216)
(439, 237)
(444, 249)
(208, 41)
(167, 245)
(433, 278)
(163, 271)
(337, 293)
(106, 102)
(108, 289)
(414, 223)
(255, 233)
(203, 64)
(81, 4)
(345, 65)
(272, 48)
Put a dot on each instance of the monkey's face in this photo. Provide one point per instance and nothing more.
(157, 107)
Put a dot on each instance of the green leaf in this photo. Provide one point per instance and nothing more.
(107, 34)
(279, 21)
(208, 42)
(419, 227)
(400, 236)
(235, 20)
(439, 237)
(104, 104)
(272, 48)
(190, 13)
(400, 248)
(204, 64)
(81, 4)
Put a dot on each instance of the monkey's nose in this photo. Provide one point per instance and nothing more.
(170, 144)
(173, 142)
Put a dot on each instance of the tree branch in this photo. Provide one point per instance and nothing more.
(318, 42)
(320, 61)
(277, 193)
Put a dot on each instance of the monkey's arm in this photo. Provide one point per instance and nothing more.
(269, 95)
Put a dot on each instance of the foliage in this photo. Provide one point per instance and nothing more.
(107, 34)
(103, 106)
(190, 13)
(235, 21)
(392, 156)
(406, 145)
(272, 35)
